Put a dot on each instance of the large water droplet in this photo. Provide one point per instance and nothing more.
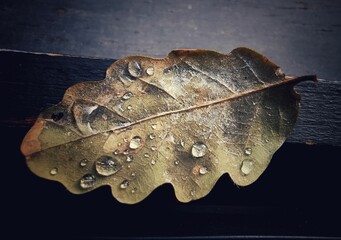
(107, 166)
(203, 170)
(124, 184)
(127, 95)
(54, 171)
(247, 166)
(135, 142)
(83, 162)
(150, 71)
(87, 181)
(198, 149)
(134, 69)
(248, 151)
(152, 136)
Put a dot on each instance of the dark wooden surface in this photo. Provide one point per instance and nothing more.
(298, 195)
(38, 81)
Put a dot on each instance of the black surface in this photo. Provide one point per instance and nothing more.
(298, 195)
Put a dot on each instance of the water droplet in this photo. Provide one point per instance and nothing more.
(54, 171)
(134, 69)
(247, 166)
(184, 178)
(116, 152)
(135, 142)
(87, 181)
(182, 143)
(248, 151)
(133, 190)
(198, 149)
(107, 166)
(154, 125)
(203, 170)
(266, 140)
(127, 95)
(129, 107)
(146, 155)
(176, 162)
(153, 162)
(126, 152)
(192, 192)
(152, 136)
(129, 158)
(83, 162)
(150, 71)
(153, 148)
(124, 184)
(133, 175)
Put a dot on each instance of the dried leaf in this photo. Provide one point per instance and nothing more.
(184, 120)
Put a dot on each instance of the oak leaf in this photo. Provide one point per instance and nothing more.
(184, 120)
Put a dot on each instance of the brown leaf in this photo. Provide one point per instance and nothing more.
(184, 120)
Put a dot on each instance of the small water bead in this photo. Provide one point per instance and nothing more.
(153, 148)
(153, 162)
(129, 107)
(129, 158)
(116, 152)
(176, 162)
(133, 190)
(127, 95)
(203, 170)
(152, 136)
(87, 181)
(248, 151)
(54, 171)
(124, 184)
(146, 155)
(199, 149)
(182, 143)
(150, 71)
(154, 125)
(126, 152)
(107, 166)
(84, 162)
(192, 192)
(133, 175)
(134, 69)
(247, 166)
(135, 142)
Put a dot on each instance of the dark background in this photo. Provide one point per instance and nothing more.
(298, 195)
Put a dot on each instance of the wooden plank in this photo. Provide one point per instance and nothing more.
(301, 36)
(32, 82)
